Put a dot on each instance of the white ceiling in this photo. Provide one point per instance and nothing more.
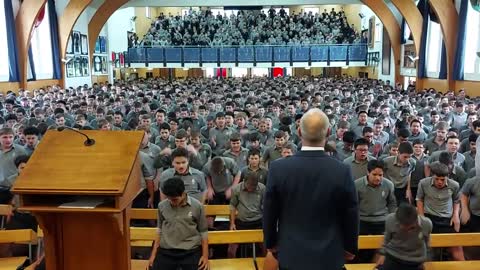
(216, 3)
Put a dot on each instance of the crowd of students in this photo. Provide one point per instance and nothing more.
(211, 141)
(250, 27)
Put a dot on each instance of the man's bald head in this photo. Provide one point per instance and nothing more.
(314, 127)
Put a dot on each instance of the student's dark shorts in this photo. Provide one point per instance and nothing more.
(372, 228)
(474, 224)
(173, 259)
(141, 201)
(248, 225)
(400, 195)
(440, 224)
(392, 263)
(219, 199)
(5, 196)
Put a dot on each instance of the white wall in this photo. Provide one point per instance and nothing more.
(118, 25)
(378, 43)
(82, 26)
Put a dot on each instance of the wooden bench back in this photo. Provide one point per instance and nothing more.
(25, 236)
(137, 235)
(151, 214)
(5, 209)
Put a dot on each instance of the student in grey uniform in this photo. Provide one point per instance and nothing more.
(204, 151)
(165, 140)
(246, 207)
(470, 202)
(236, 151)
(9, 151)
(254, 166)
(359, 159)
(145, 198)
(399, 170)
(274, 152)
(470, 155)
(182, 240)
(222, 175)
(407, 240)
(193, 179)
(419, 172)
(376, 199)
(438, 198)
(219, 135)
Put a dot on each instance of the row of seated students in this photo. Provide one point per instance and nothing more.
(227, 129)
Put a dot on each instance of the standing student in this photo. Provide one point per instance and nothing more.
(406, 242)
(246, 207)
(376, 199)
(297, 187)
(470, 202)
(222, 175)
(438, 198)
(182, 239)
(254, 166)
(399, 169)
(359, 159)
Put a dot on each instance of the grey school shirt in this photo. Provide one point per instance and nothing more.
(7, 164)
(182, 227)
(222, 137)
(224, 180)
(359, 169)
(249, 205)
(397, 173)
(194, 181)
(375, 203)
(410, 246)
(471, 189)
(240, 159)
(438, 202)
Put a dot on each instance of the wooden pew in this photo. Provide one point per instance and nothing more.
(27, 237)
(5, 210)
(139, 235)
(151, 214)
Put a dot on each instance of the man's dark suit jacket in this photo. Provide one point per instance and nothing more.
(312, 198)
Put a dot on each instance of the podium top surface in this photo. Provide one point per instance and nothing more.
(61, 164)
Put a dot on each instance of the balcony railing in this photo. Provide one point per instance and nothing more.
(249, 54)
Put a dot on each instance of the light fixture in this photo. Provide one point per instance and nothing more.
(185, 69)
(307, 67)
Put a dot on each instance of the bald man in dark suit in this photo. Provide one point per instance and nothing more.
(311, 208)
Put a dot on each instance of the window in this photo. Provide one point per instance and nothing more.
(4, 69)
(260, 72)
(472, 46)
(434, 49)
(42, 49)
(148, 12)
(239, 72)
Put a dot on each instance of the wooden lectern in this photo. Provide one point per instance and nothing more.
(63, 172)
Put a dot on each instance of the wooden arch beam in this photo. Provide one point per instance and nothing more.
(66, 22)
(414, 19)
(24, 22)
(393, 29)
(448, 16)
(98, 21)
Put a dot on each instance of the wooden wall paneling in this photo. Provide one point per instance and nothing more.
(24, 23)
(414, 20)
(41, 84)
(448, 16)
(9, 86)
(393, 29)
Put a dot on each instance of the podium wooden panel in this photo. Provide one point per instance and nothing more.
(63, 170)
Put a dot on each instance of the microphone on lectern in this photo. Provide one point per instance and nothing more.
(88, 142)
